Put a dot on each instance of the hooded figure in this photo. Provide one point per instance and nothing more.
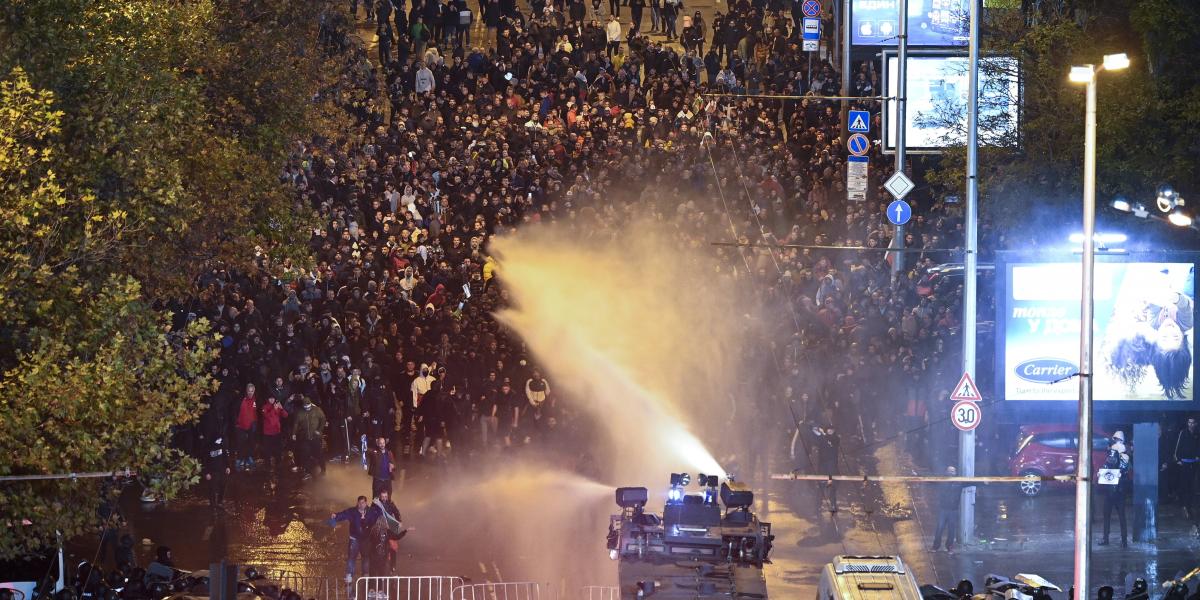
(216, 468)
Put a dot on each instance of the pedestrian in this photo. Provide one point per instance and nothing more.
(216, 469)
(635, 9)
(948, 498)
(307, 429)
(358, 516)
(828, 445)
(1187, 461)
(273, 415)
(1114, 493)
(612, 32)
(386, 530)
(244, 428)
(381, 466)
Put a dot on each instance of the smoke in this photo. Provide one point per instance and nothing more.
(642, 330)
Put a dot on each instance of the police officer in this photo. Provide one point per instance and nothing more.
(216, 469)
(1114, 495)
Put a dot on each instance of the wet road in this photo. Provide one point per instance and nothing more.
(532, 524)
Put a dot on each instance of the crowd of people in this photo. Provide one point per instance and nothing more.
(391, 335)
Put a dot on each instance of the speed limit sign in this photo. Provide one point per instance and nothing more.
(965, 415)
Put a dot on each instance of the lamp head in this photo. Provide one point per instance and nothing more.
(1082, 74)
(1179, 218)
(1116, 62)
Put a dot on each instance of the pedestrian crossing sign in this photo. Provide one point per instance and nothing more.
(859, 122)
(966, 390)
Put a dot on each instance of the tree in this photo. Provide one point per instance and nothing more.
(140, 142)
(1146, 133)
(102, 381)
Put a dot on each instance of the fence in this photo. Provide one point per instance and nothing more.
(406, 588)
(524, 590)
(309, 586)
(601, 592)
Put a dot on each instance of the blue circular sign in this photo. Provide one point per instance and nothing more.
(899, 212)
(858, 144)
(811, 8)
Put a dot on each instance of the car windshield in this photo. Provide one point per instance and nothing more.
(1024, 442)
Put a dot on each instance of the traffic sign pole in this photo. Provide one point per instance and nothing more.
(901, 120)
(966, 440)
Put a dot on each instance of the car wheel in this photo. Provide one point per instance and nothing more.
(1032, 485)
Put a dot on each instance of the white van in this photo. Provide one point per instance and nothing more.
(867, 578)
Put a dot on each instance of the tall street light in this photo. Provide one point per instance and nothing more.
(1083, 498)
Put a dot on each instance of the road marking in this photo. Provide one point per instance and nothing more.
(482, 569)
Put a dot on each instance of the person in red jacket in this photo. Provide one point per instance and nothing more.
(247, 422)
(273, 415)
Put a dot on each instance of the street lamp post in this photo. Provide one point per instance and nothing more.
(1083, 499)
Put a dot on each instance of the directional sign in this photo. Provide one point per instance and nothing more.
(899, 185)
(966, 390)
(966, 415)
(899, 212)
(812, 28)
(856, 178)
(810, 45)
(811, 8)
(858, 144)
(860, 121)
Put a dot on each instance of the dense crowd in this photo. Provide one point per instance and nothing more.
(560, 119)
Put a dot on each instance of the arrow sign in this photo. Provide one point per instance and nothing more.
(966, 390)
(899, 212)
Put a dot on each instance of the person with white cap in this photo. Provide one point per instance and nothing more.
(1114, 493)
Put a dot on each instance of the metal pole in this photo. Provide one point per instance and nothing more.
(901, 118)
(966, 439)
(1083, 483)
(843, 135)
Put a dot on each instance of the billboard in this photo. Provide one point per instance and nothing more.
(930, 22)
(1143, 342)
(937, 101)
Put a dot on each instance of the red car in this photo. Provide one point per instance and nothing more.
(1051, 450)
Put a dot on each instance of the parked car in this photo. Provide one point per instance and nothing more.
(944, 278)
(1052, 450)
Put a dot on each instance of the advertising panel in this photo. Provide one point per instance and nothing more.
(937, 101)
(930, 22)
(1143, 341)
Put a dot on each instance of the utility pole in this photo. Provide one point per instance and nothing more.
(901, 121)
(966, 439)
(843, 135)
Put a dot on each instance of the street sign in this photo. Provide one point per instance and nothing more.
(966, 390)
(860, 121)
(966, 415)
(812, 28)
(810, 45)
(899, 212)
(811, 8)
(858, 144)
(899, 185)
(856, 178)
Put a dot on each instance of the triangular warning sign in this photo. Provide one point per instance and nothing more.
(858, 124)
(966, 390)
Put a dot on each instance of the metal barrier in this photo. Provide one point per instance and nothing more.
(313, 587)
(523, 590)
(601, 592)
(406, 588)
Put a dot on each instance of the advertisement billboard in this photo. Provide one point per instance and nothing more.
(1143, 342)
(930, 22)
(937, 101)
